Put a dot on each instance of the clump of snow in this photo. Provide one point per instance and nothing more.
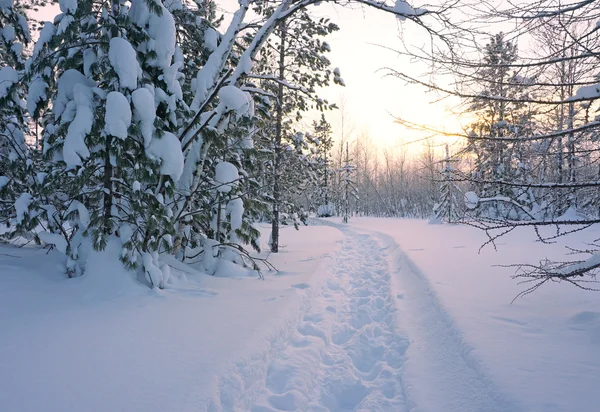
(68, 6)
(36, 93)
(54, 239)
(145, 112)
(327, 210)
(227, 269)
(3, 181)
(45, 36)
(471, 200)
(587, 92)
(158, 275)
(66, 90)
(209, 260)
(168, 149)
(118, 115)
(123, 59)
(226, 176)
(74, 147)
(6, 4)
(210, 39)
(170, 76)
(162, 31)
(571, 214)
(64, 24)
(234, 99)
(8, 77)
(89, 58)
(22, 206)
(139, 13)
(404, 9)
(8, 33)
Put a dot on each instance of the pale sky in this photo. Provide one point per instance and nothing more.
(371, 99)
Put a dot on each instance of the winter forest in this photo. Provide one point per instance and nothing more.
(166, 140)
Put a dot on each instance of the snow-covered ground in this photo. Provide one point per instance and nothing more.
(378, 315)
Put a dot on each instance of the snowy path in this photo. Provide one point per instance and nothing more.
(351, 350)
(345, 354)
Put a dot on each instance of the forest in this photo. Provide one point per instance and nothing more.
(160, 127)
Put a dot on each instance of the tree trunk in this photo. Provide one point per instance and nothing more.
(278, 133)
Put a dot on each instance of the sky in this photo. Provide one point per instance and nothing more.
(362, 49)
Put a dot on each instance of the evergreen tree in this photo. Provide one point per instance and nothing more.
(448, 207)
(500, 116)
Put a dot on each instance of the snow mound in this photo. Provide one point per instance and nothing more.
(106, 277)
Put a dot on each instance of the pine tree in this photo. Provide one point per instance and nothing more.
(448, 207)
(16, 159)
(323, 139)
(500, 116)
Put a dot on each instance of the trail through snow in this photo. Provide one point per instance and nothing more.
(375, 339)
(345, 353)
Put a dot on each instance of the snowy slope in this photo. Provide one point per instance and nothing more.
(378, 315)
(79, 345)
(537, 354)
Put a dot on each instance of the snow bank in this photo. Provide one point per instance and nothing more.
(537, 354)
(104, 343)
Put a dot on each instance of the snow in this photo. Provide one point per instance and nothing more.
(8, 32)
(471, 200)
(66, 90)
(210, 39)
(139, 13)
(168, 149)
(54, 239)
(226, 176)
(3, 181)
(89, 58)
(117, 118)
(74, 147)
(22, 206)
(68, 6)
(587, 92)
(375, 315)
(45, 36)
(103, 343)
(234, 99)
(123, 59)
(162, 31)
(405, 9)
(145, 112)
(8, 77)
(64, 24)
(36, 93)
